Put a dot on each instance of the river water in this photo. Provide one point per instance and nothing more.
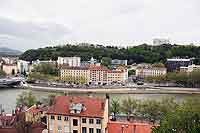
(8, 96)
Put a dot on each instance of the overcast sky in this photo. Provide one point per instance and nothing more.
(28, 24)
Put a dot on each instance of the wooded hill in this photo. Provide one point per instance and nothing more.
(136, 54)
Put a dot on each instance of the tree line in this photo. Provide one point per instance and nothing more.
(184, 79)
(168, 115)
(135, 54)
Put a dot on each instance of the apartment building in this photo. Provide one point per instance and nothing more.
(98, 74)
(174, 64)
(69, 61)
(117, 76)
(150, 71)
(78, 115)
(75, 74)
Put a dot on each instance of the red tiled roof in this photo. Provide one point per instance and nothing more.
(95, 67)
(128, 127)
(34, 109)
(94, 107)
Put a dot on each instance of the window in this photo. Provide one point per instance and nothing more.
(98, 121)
(66, 129)
(91, 121)
(84, 120)
(75, 131)
(66, 118)
(75, 122)
(59, 128)
(52, 117)
(98, 131)
(84, 130)
(91, 130)
(59, 117)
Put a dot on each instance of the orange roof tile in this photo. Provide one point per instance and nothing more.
(34, 109)
(94, 107)
(128, 127)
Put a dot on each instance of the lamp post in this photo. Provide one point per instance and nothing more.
(123, 127)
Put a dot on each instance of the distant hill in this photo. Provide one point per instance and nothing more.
(4, 51)
(135, 54)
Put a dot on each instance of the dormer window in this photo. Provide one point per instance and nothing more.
(77, 108)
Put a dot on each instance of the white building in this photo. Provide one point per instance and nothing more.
(37, 62)
(190, 68)
(149, 71)
(70, 61)
(160, 41)
(119, 62)
(23, 66)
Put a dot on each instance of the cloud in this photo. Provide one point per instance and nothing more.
(13, 32)
(98, 21)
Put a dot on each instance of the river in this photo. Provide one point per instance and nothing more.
(8, 96)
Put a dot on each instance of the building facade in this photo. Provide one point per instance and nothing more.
(78, 115)
(160, 41)
(10, 69)
(69, 61)
(23, 66)
(98, 74)
(149, 71)
(190, 68)
(79, 75)
(173, 65)
(117, 62)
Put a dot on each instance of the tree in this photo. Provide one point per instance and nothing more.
(22, 125)
(115, 107)
(26, 99)
(129, 106)
(150, 109)
(184, 119)
(46, 69)
(106, 61)
(49, 101)
(131, 72)
(2, 73)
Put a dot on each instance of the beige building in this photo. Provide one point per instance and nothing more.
(117, 76)
(10, 69)
(190, 68)
(35, 113)
(98, 74)
(75, 74)
(78, 115)
(150, 71)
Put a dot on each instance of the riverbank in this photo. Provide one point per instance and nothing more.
(134, 90)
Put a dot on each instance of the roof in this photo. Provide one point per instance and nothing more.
(96, 67)
(34, 109)
(74, 68)
(129, 127)
(177, 59)
(93, 107)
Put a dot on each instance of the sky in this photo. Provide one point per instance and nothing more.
(26, 24)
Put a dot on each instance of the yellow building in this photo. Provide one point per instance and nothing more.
(75, 74)
(116, 76)
(98, 74)
(35, 114)
(78, 115)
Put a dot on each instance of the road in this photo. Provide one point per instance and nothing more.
(133, 90)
